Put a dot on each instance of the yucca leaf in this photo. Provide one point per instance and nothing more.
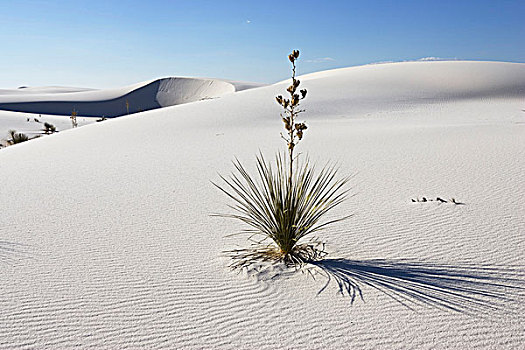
(283, 212)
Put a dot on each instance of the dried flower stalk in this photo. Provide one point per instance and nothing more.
(294, 130)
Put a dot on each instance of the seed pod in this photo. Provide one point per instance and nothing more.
(291, 89)
(300, 134)
(295, 53)
(286, 102)
(279, 99)
(296, 83)
(291, 58)
(303, 93)
(301, 126)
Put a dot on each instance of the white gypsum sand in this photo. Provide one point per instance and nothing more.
(26, 109)
(117, 102)
(106, 238)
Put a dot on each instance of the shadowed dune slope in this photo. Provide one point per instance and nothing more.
(116, 102)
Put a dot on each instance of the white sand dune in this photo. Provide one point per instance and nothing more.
(26, 109)
(106, 238)
(116, 102)
(24, 90)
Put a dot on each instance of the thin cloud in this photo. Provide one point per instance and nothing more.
(423, 59)
(321, 60)
(431, 58)
(248, 21)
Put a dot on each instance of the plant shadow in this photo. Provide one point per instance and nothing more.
(12, 252)
(462, 288)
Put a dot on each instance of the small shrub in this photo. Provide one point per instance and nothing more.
(287, 202)
(49, 128)
(17, 137)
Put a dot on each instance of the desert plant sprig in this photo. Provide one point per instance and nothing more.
(73, 118)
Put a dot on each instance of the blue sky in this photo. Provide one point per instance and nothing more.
(115, 43)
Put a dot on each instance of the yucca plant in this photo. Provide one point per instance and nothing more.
(49, 128)
(287, 202)
(17, 137)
